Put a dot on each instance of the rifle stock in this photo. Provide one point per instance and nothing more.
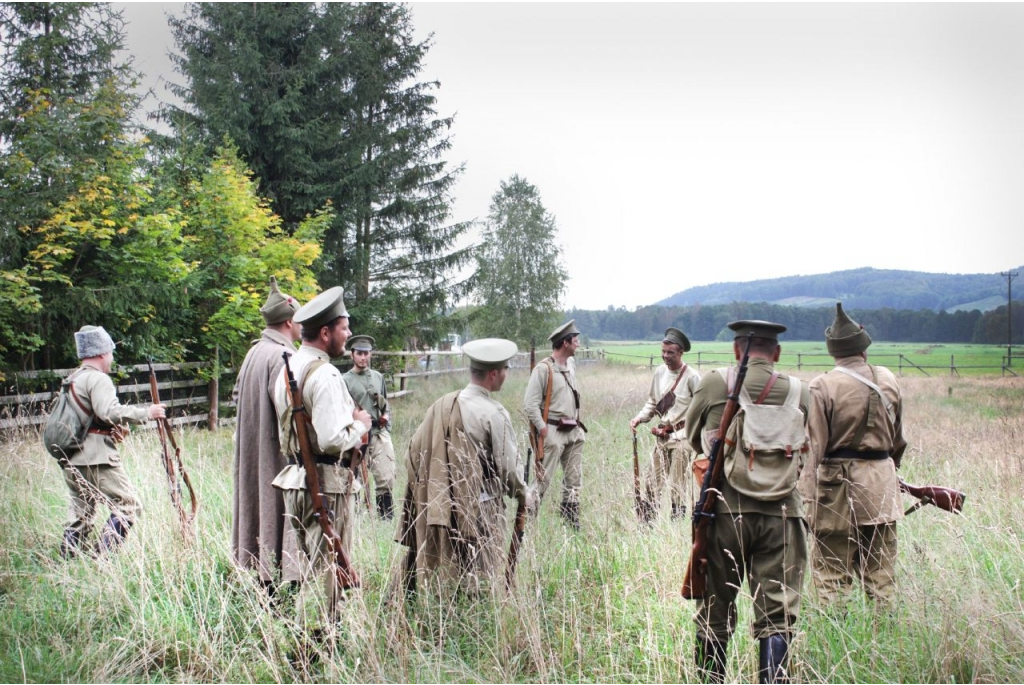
(164, 430)
(695, 580)
(346, 575)
(638, 501)
(946, 499)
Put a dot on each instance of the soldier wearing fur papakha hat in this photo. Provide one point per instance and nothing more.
(260, 538)
(370, 392)
(671, 391)
(553, 401)
(850, 485)
(97, 467)
(462, 462)
(759, 532)
(336, 428)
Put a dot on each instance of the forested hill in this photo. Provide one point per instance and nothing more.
(865, 288)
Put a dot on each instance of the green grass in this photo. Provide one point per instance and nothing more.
(602, 605)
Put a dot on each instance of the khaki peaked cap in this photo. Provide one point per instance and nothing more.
(760, 329)
(674, 335)
(322, 309)
(363, 343)
(564, 331)
(486, 354)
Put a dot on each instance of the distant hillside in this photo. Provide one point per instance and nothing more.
(865, 288)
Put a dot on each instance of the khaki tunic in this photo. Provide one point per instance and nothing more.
(762, 541)
(259, 537)
(333, 433)
(854, 504)
(671, 455)
(462, 461)
(369, 391)
(98, 474)
(560, 447)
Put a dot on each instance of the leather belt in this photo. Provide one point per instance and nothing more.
(325, 459)
(869, 455)
(101, 431)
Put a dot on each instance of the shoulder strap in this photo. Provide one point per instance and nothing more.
(768, 387)
(550, 363)
(682, 372)
(869, 383)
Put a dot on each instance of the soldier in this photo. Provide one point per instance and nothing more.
(336, 429)
(758, 532)
(259, 537)
(95, 471)
(553, 401)
(369, 391)
(856, 427)
(671, 391)
(462, 461)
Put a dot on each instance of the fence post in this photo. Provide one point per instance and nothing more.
(901, 363)
(213, 392)
(799, 361)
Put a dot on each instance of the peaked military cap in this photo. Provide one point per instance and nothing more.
(674, 335)
(760, 329)
(93, 341)
(322, 309)
(489, 353)
(279, 307)
(845, 337)
(564, 331)
(363, 343)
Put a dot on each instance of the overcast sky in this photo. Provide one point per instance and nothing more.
(684, 144)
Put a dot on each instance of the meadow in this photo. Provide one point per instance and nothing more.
(601, 605)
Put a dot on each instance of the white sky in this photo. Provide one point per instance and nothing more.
(684, 144)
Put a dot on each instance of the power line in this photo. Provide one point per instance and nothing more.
(1009, 276)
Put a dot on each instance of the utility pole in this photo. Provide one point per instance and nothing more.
(1009, 276)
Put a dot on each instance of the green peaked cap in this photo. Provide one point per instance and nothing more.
(845, 337)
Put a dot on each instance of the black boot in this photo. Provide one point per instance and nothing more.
(710, 658)
(71, 543)
(571, 514)
(385, 506)
(113, 534)
(774, 659)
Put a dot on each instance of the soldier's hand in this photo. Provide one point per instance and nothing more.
(633, 424)
(383, 420)
(363, 417)
(543, 432)
(157, 411)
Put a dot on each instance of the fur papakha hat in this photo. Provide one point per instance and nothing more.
(845, 337)
(93, 341)
(279, 306)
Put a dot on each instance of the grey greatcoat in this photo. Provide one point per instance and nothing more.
(259, 537)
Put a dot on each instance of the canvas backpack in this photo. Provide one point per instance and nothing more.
(68, 423)
(765, 444)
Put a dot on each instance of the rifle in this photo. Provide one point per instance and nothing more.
(520, 526)
(347, 577)
(536, 440)
(364, 449)
(164, 430)
(946, 499)
(696, 578)
(642, 513)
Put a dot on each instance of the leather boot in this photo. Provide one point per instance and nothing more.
(113, 534)
(773, 660)
(71, 543)
(710, 658)
(385, 506)
(571, 514)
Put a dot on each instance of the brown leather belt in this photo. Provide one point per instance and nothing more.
(869, 455)
(101, 431)
(325, 459)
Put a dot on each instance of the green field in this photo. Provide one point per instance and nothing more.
(920, 359)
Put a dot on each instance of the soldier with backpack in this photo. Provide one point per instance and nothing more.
(758, 531)
(92, 466)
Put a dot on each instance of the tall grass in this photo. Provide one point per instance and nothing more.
(600, 605)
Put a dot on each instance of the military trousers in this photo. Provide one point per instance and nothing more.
(669, 462)
(319, 595)
(770, 552)
(563, 448)
(106, 484)
(866, 555)
(380, 460)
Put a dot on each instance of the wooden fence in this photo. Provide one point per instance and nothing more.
(197, 394)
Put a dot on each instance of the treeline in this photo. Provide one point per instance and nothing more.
(709, 322)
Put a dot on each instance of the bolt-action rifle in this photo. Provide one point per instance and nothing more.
(346, 575)
(173, 467)
(643, 513)
(520, 525)
(946, 499)
(695, 580)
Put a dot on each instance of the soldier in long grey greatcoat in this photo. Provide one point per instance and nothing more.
(259, 537)
(462, 462)
(95, 472)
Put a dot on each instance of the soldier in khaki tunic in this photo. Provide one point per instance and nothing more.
(260, 539)
(671, 453)
(462, 461)
(851, 487)
(336, 430)
(369, 391)
(95, 471)
(758, 532)
(564, 444)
